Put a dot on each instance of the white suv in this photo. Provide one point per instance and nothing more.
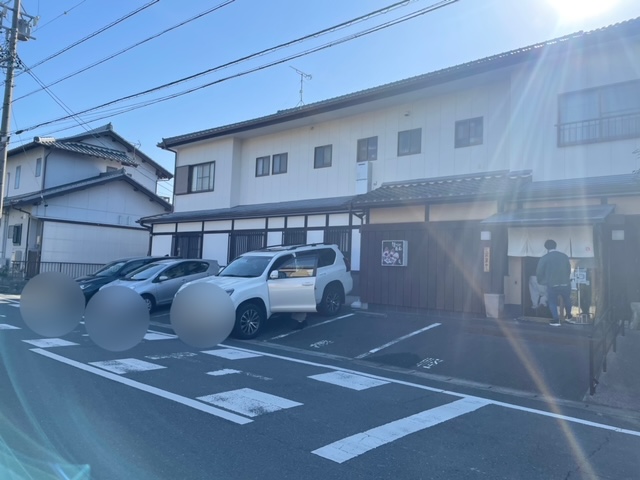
(292, 279)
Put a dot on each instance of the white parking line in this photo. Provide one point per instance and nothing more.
(393, 342)
(50, 342)
(360, 443)
(188, 402)
(313, 326)
(6, 326)
(511, 406)
(348, 380)
(249, 402)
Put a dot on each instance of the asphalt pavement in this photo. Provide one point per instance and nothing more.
(271, 409)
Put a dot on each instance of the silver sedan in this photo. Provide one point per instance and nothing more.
(159, 281)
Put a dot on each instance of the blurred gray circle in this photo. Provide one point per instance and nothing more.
(202, 315)
(52, 304)
(117, 318)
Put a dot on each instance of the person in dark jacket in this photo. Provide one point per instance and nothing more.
(554, 271)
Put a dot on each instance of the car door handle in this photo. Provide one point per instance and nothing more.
(307, 284)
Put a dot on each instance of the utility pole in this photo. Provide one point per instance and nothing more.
(20, 30)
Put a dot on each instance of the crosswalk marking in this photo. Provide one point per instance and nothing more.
(224, 371)
(249, 402)
(348, 380)
(50, 342)
(231, 353)
(126, 365)
(159, 336)
(360, 443)
(6, 326)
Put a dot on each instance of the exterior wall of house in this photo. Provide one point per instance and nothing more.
(222, 153)
(535, 91)
(114, 203)
(14, 252)
(66, 242)
(28, 181)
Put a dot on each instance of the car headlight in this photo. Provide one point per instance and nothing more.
(230, 291)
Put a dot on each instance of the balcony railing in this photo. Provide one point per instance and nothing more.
(603, 129)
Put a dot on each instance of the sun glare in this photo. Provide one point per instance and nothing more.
(575, 10)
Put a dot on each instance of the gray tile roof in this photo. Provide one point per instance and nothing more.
(37, 197)
(552, 216)
(318, 205)
(582, 187)
(486, 185)
(87, 149)
(569, 43)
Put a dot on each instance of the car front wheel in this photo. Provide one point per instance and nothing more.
(250, 319)
(331, 300)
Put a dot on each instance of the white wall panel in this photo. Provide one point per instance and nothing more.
(215, 246)
(274, 238)
(316, 220)
(315, 236)
(338, 219)
(218, 225)
(65, 242)
(190, 227)
(164, 228)
(276, 222)
(355, 250)
(161, 245)
(295, 222)
(250, 224)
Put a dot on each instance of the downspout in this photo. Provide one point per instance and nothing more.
(149, 229)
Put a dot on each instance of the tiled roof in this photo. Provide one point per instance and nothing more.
(36, 197)
(574, 41)
(582, 187)
(474, 186)
(318, 205)
(87, 149)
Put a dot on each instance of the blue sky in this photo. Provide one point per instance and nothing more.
(460, 32)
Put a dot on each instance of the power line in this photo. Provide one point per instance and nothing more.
(131, 47)
(129, 108)
(94, 34)
(56, 18)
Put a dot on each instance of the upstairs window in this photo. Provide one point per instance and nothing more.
(602, 114)
(262, 166)
(194, 178)
(38, 167)
(16, 181)
(469, 132)
(367, 149)
(280, 163)
(322, 156)
(409, 142)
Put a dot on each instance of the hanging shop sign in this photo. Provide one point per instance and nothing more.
(487, 259)
(394, 253)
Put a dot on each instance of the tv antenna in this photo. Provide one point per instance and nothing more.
(303, 77)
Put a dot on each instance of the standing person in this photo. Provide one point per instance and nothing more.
(554, 271)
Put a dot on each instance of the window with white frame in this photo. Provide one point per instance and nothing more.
(322, 156)
(280, 161)
(367, 149)
(602, 114)
(469, 132)
(410, 142)
(16, 180)
(262, 166)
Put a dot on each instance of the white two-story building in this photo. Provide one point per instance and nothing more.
(468, 169)
(76, 200)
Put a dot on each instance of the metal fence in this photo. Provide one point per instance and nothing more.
(25, 270)
(604, 334)
(599, 129)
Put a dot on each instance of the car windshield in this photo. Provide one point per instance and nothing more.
(248, 266)
(109, 269)
(146, 272)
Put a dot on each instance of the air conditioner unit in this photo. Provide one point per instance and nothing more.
(363, 177)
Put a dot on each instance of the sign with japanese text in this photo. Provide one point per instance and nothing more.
(394, 253)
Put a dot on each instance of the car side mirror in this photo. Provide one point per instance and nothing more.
(162, 278)
(274, 275)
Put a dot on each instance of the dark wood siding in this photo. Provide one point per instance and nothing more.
(444, 271)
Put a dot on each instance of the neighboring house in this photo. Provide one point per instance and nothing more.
(77, 199)
(468, 169)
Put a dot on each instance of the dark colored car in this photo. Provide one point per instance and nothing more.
(115, 270)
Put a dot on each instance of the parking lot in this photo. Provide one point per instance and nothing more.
(529, 359)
